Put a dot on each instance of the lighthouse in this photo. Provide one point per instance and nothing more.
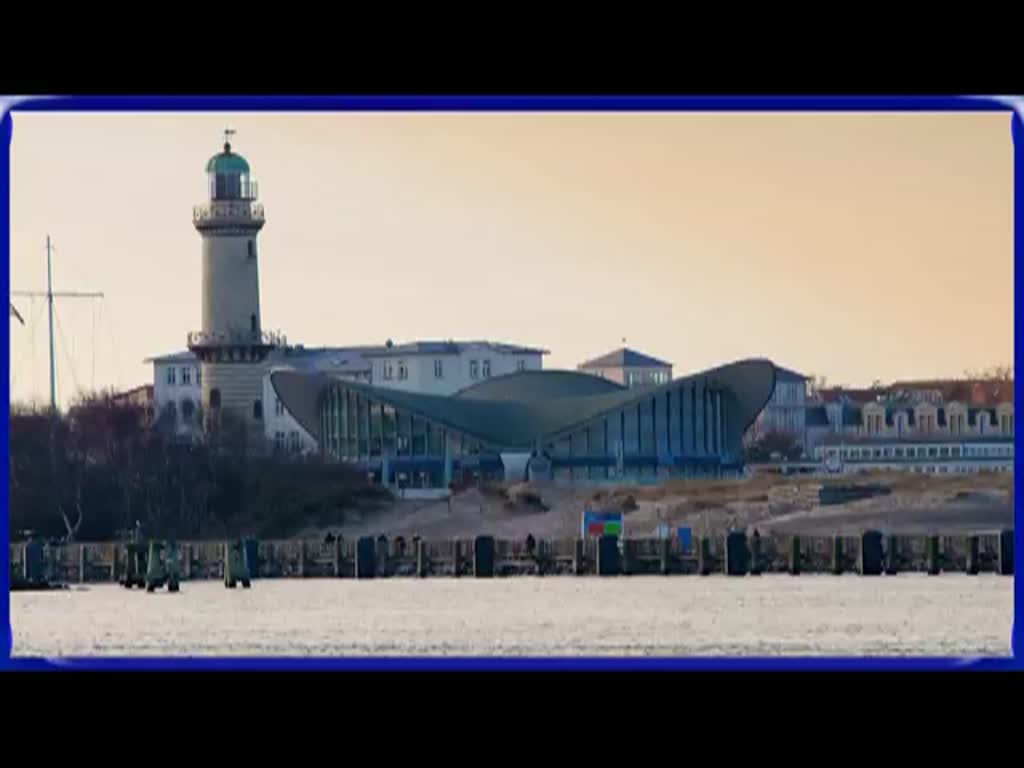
(232, 347)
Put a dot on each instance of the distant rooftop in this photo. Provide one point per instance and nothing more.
(173, 357)
(449, 347)
(625, 358)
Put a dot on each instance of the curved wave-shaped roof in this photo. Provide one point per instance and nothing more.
(522, 422)
(538, 385)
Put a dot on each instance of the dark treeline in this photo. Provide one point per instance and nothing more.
(91, 473)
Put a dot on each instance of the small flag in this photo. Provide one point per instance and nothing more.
(15, 313)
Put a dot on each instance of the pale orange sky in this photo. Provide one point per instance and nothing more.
(856, 246)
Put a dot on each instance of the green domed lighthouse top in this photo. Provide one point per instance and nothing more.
(228, 174)
(227, 162)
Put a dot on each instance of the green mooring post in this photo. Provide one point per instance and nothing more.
(837, 555)
(871, 560)
(366, 558)
(737, 557)
(608, 556)
(1006, 553)
(794, 556)
(934, 558)
(973, 559)
(156, 574)
(704, 556)
(892, 555)
(483, 557)
(234, 565)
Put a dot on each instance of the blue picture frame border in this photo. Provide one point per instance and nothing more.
(489, 103)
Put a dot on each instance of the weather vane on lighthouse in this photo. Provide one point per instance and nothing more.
(228, 133)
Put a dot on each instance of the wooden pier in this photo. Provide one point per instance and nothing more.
(871, 554)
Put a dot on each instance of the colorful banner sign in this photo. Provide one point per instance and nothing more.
(602, 523)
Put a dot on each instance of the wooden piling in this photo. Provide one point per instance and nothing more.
(577, 557)
(483, 557)
(892, 556)
(973, 556)
(337, 558)
(736, 554)
(608, 561)
(704, 556)
(755, 556)
(366, 566)
(83, 559)
(870, 556)
(934, 559)
(421, 558)
(837, 555)
(1005, 553)
(794, 556)
(626, 566)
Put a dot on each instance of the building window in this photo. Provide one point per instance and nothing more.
(252, 249)
(278, 407)
(487, 368)
(520, 365)
(388, 371)
(279, 442)
(293, 440)
(257, 410)
(439, 369)
(199, 377)
(474, 369)
(944, 452)
(253, 327)
(215, 398)
(170, 376)
(899, 452)
(403, 372)
(186, 376)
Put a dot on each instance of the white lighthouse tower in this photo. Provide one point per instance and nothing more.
(232, 346)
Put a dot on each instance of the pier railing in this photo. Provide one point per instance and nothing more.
(871, 553)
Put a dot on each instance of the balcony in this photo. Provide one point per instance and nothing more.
(199, 339)
(225, 214)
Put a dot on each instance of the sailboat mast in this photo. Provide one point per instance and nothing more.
(49, 301)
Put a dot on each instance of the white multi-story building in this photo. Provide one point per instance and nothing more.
(446, 367)
(177, 384)
(438, 368)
